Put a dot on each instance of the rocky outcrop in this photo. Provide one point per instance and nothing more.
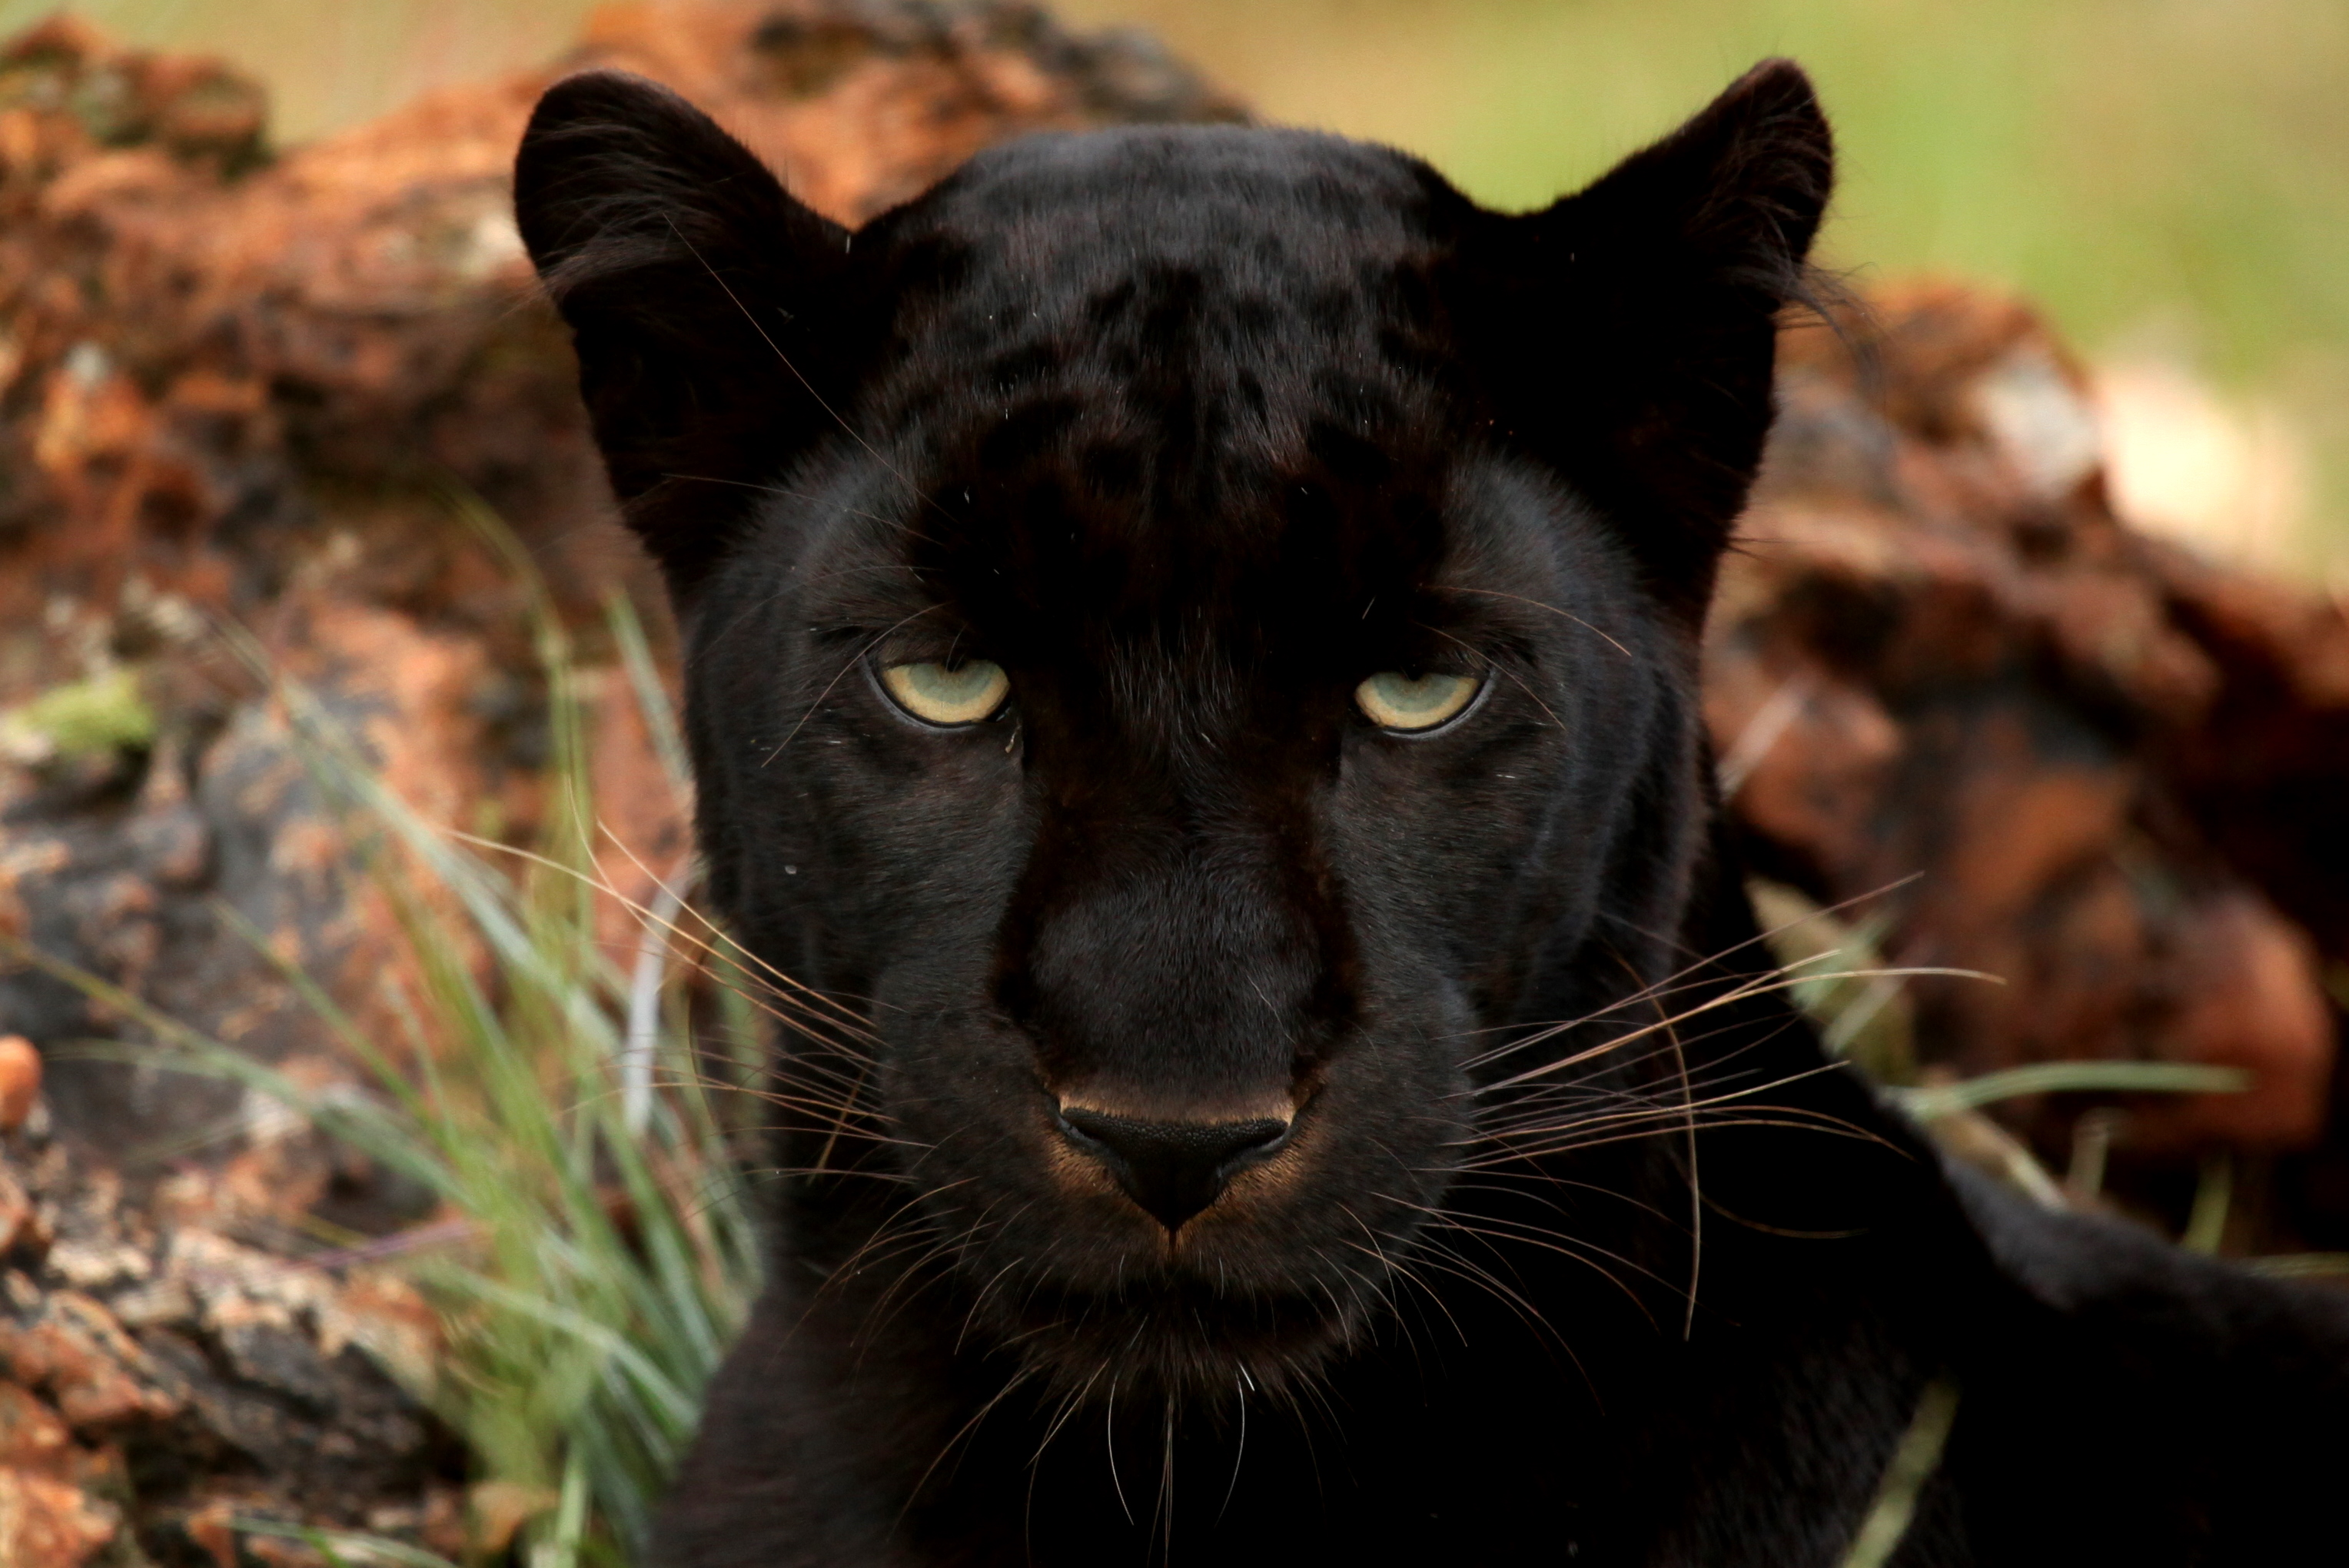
(1953, 691)
(164, 1386)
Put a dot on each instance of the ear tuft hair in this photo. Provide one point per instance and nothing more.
(1626, 335)
(703, 299)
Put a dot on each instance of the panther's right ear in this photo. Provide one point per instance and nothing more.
(1626, 335)
(702, 298)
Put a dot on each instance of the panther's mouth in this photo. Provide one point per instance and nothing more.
(1179, 1333)
(1190, 1243)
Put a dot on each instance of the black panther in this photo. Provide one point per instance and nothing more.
(1190, 644)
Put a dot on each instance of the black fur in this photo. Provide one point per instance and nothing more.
(1576, 1250)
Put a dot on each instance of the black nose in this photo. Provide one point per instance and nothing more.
(1172, 1168)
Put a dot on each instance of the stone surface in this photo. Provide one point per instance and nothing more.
(20, 1080)
(1947, 683)
(158, 1378)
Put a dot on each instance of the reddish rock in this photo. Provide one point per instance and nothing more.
(33, 1437)
(232, 1381)
(50, 1524)
(20, 1086)
(50, 1513)
(1947, 681)
(71, 1347)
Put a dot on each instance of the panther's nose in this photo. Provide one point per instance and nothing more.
(1172, 1168)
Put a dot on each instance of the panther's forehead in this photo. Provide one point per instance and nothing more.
(1281, 207)
(1168, 380)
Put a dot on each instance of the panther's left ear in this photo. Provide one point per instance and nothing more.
(1626, 335)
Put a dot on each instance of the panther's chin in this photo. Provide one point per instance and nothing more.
(1181, 1340)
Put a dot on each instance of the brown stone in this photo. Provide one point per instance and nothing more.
(50, 1524)
(33, 1437)
(1947, 683)
(213, 1528)
(20, 1080)
(71, 1345)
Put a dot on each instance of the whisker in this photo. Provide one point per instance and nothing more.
(1240, 1454)
(1779, 1117)
(1743, 992)
(1484, 1280)
(855, 660)
(847, 1017)
(1108, 1431)
(1515, 1189)
(730, 948)
(1522, 684)
(1547, 1240)
(1017, 1381)
(1588, 1102)
(1538, 604)
(1380, 1253)
(1695, 966)
(793, 495)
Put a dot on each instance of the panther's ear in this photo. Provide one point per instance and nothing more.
(702, 298)
(1626, 335)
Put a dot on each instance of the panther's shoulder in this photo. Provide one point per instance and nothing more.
(2120, 1278)
(2121, 1399)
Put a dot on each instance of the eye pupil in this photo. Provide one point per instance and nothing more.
(1393, 700)
(947, 695)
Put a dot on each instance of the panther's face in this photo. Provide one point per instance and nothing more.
(1189, 646)
(1181, 860)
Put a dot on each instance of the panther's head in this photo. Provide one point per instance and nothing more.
(1190, 646)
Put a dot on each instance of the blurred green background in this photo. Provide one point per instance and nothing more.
(2168, 178)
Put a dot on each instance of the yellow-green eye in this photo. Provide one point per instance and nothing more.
(947, 694)
(1393, 700)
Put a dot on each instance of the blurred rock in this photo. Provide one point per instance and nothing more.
(159, 1379)
(1947, 682)
(20, 1080)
